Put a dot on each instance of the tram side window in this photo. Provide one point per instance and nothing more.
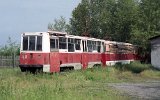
(84, 46)
(25, 43)
(113, 48)
(89, 45)
(98, 46)
(104, 47)
(39, 43)
(94, 45)
(32, 43)
(62, 43)
(53, 44)
(121, 48)
(77, 44)
(70, 45)
(107, 47)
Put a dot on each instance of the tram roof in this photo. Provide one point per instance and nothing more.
(119, 43)
(33, 33)
(56, 33)
(84, 38)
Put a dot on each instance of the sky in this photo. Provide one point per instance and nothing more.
(18, 16)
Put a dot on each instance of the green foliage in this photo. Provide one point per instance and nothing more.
(125, 19)
(134, 67)
(149, 16)
(81, 18)
(10, 48)
(59, 25)
(147, 25)
(105, 18)
(132, 21)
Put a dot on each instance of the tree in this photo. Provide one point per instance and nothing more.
(11, 48)
(80, 18)
(105, 18)
(149, 16)
(59, 25)
(86, 18)
(125, 19)
(148, 24)
(132, 21)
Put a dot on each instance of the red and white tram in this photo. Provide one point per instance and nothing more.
(53, 51)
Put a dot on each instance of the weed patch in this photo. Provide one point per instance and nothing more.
(134, 67)
(79, 85)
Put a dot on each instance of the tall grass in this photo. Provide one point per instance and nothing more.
(76, 85)
(79, 85)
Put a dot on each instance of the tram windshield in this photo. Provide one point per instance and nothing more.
(32, 43)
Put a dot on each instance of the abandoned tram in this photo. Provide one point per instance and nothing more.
(53, 51)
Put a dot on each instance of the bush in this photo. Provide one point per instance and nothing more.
(119, 66)
(134, 67)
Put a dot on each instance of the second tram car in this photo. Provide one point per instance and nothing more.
(53, 51)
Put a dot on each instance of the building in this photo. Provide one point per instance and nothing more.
(155, 51)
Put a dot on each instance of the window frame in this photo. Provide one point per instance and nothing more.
(78, 42)
(23, 43)
(84, 46)
(35, 42)
(64, 50)
(99, 47)
(54, 49)
(71, 41)
(89, 46)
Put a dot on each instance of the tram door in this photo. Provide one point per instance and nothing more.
(54, 55)
(103, 58)
(84, 58)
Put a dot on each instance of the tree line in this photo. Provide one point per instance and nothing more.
(133, 21)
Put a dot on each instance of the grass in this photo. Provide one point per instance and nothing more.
(90, 84)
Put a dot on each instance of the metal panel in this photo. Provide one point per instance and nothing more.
(54, 62)
(84, 60)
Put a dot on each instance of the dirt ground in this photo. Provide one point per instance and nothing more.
(149, 90)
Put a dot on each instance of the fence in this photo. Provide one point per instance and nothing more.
(9, 61)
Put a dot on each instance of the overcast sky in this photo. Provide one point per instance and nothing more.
(17, 16)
